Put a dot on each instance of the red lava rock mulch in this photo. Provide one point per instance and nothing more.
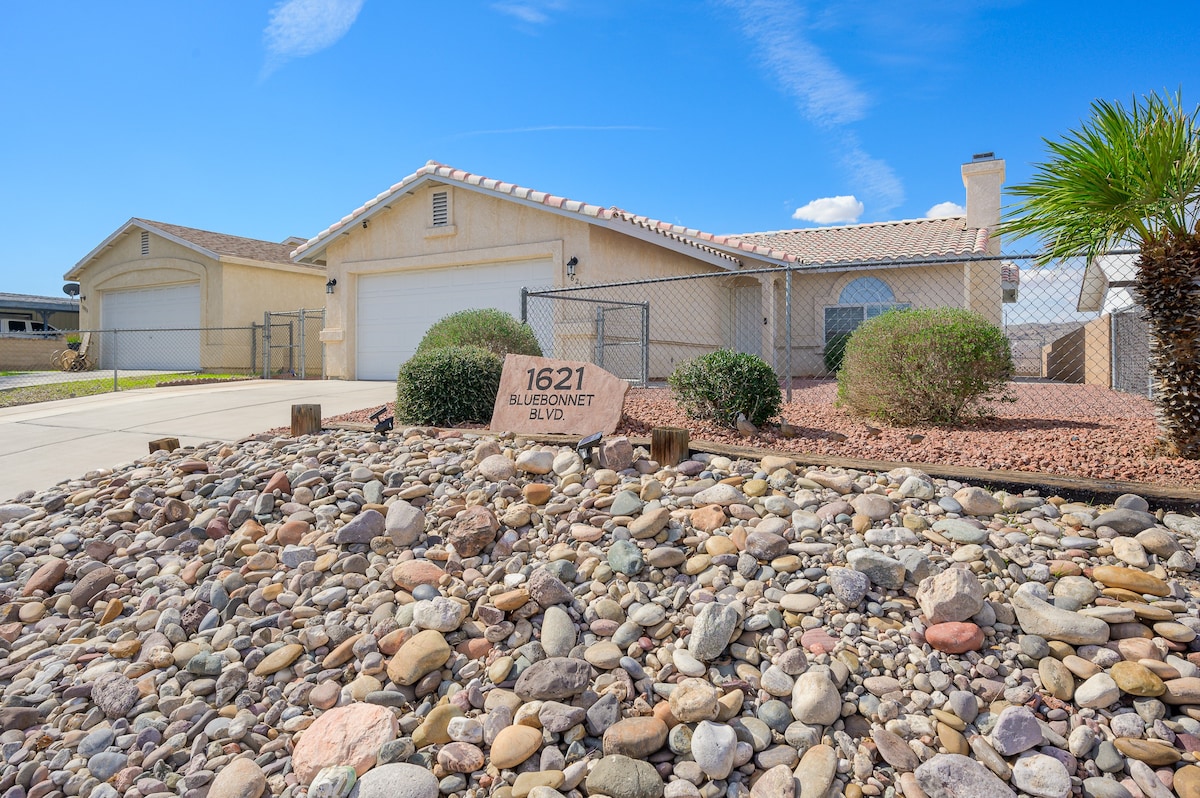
(1067, 430)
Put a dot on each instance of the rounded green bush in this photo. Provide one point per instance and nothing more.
(835, 350)
(488, 328)
(924, 366)
(723, 384)
(448, 386)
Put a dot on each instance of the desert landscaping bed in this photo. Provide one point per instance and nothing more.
(1114, 438)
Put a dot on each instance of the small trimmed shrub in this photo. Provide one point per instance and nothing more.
(835, 350)
(448, 386)
(488, 328)
(924, 366)
(722, 384)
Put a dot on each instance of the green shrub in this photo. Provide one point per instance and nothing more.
(488, 328)
(932, 366)
(722, 384)
(835, 350)
(448, 386)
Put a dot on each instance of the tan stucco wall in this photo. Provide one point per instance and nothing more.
(29, 354)
(232, 294)
(484, 230)
(1082, 355)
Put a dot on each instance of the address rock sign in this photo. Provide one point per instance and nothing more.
(539, 394)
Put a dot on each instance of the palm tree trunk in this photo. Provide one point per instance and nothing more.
(1168, 286)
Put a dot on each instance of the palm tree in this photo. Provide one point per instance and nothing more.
(1132, 176)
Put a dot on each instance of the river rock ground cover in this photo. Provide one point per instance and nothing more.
(445, 613)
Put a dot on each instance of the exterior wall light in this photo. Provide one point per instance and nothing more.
(330, 284)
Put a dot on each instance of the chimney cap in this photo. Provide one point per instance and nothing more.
(984, 156)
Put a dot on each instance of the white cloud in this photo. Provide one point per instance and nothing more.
(831, 210)
(827, 96)
(870, 175)
(299, 28)
(531, 12)
(944, 209)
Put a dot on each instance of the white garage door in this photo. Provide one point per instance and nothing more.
(395, 310)
(169, 321)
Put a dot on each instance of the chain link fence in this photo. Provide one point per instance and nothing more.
(67, 363)
(1075, 329)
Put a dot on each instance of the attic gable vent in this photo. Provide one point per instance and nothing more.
(145, 243)
(441, 208)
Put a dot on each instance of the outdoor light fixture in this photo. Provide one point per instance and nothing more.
(365, 223)
(383, 425)
(571, 264)
(586, 445)
(329, 285)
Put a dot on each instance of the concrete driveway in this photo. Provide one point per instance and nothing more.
(43, 444)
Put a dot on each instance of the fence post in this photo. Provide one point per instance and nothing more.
(266, 344)
(600, 336)
(303, 335)
(253, 347)
(787, 326)
(115, 385)
(324, 376)
(645, 344)
(524, 305)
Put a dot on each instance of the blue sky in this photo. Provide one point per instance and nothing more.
(270, 119)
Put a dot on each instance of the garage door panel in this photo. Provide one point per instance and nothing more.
(395, 309)
(163, 328)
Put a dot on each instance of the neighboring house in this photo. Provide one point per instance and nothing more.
(443, 240)
(155, 276)
(1113, 349)
(24, 320)
(37, 313)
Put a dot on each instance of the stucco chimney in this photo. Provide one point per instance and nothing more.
(983, 176)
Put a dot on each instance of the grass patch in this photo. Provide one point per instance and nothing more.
(31, 394)
(12, 373)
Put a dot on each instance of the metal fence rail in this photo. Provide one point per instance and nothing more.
(1074, 327)
(78, 362)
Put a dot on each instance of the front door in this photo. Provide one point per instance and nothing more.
(747, 319)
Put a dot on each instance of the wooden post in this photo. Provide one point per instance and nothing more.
(306, 420)
(164, 444)
(669, 445)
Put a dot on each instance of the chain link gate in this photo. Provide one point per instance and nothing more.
(291, 344)
(613, 334)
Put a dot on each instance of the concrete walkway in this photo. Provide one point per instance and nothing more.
(43, 444)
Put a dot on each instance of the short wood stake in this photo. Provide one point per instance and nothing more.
(306, 420)
(669, 445)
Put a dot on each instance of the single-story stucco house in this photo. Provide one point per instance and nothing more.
(443, 240)
(155, 276)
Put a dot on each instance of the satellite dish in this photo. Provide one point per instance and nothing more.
(71, 289)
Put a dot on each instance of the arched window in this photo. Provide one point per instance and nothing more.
(861, 299)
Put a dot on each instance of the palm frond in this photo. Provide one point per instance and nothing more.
(1125, 173)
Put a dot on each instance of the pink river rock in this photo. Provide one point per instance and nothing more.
(818, 638)
(955, 637)
(349, 735)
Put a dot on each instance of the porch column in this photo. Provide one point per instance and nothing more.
(769, 352)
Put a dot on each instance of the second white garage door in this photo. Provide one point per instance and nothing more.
(169, 321)
(395, 309)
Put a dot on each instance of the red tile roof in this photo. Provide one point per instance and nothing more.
(918, 238)
(886, 241)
